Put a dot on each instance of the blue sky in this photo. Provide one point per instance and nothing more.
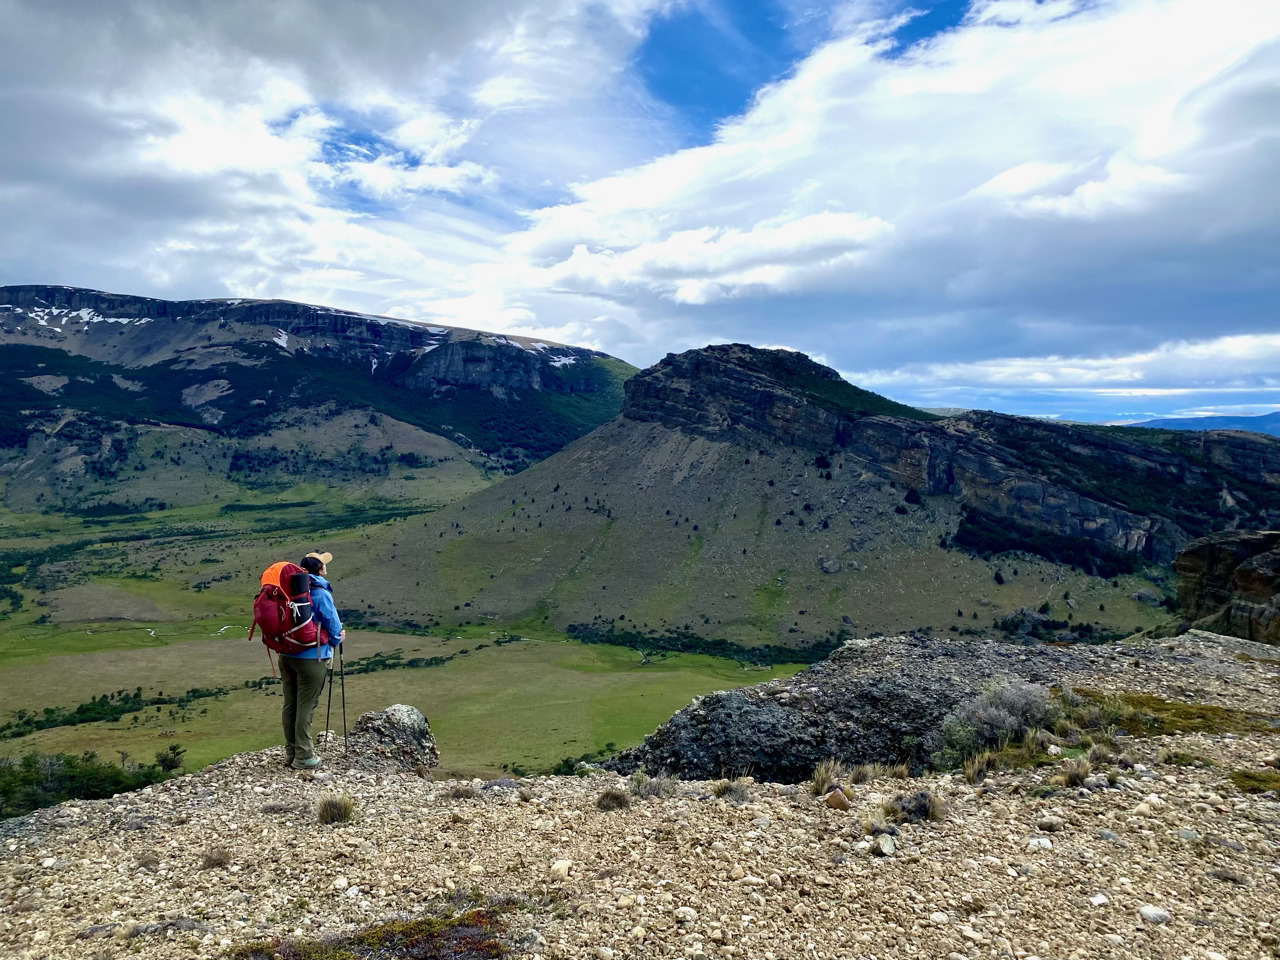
(706, 60)
(1056, 207)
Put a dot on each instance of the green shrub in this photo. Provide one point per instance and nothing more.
(44, 779)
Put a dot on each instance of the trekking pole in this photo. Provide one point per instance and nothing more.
(329, 709)
(342, 679)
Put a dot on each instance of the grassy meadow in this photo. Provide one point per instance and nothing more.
(522, 705)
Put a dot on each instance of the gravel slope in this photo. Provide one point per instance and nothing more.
(1006, 873)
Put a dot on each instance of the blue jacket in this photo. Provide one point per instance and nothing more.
(326, 615)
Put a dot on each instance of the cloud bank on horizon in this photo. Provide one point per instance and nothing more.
(1064, 207)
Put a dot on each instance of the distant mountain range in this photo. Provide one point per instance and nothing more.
(270, 393)
(234, 365)
(1268, 423)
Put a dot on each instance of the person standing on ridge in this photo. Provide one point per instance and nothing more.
(303, 673)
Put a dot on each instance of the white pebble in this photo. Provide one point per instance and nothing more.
(1153, 914)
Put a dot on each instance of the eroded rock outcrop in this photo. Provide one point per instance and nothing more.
(1230, 582)
(398, 736)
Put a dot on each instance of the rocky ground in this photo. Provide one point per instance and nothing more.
(1169, 861)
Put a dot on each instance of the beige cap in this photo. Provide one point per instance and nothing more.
(325, 558)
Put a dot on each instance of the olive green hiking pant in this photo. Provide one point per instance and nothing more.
(303, 683)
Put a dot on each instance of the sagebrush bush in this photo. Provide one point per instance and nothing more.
(1003, 712)
(335, 807)
(825, 776)
(613, 798)
(915, 807)
(643, 785)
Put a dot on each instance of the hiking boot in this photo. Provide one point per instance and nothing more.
(310, 764)
(288, 758)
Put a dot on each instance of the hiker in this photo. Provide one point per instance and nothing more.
(303, 673)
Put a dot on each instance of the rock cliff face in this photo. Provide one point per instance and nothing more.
(1230, 582)
(1116, 488)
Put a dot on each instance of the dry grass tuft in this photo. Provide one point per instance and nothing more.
(422, 771)
(873, 823)
(915, 807)
(1073, 772)
(1098, 754)
(1066, 731)
(613, 798)
(217, 858)
(463, 791)
(335, 807)
(825, 775)
(278, 806)
(148, 860)
(867, 772)
(732, 791)
(978, 766)
(525, 795)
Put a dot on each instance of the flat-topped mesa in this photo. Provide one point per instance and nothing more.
(739, 393)
(1114, 488)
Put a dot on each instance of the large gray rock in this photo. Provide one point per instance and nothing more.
(397, 736)
(871, 701)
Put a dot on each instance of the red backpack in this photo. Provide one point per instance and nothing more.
(282, 610)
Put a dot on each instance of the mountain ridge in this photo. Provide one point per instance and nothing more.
(1266, 423)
